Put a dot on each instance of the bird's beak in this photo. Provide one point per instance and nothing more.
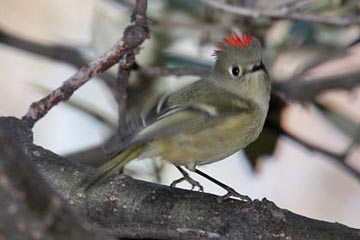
(259, 67)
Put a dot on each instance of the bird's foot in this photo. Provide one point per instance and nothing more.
(232, 193)
(194, 184)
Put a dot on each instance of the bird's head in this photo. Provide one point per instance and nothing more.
(236, 57)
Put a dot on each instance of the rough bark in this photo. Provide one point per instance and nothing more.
(131, 208)
(30, 209)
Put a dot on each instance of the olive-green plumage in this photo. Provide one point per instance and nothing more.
(205, 121)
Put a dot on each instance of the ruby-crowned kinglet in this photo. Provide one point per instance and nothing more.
(205, 121)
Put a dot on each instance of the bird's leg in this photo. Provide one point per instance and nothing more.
(187, 178)
(230, 192)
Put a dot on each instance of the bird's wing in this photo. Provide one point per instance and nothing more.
(173, 114)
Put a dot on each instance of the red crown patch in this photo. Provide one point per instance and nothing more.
(235, 40)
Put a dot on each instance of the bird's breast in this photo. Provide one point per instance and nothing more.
(212, 141)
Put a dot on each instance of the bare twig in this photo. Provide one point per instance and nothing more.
(139, 13)
(308, 90)
(85, 108)
(61, 53)
(38, 109)
(180, 71)
(322, 58)
(295, 89)
(130, 5)
(128, 62)
(338, 158)
(290, 5)
(282, 14)
(133, 36)
(125, 65)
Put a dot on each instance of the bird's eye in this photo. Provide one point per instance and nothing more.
(235, 71)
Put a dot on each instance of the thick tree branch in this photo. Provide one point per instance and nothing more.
(136, 209)
(30, 208)
(133, 36)
(282, 14)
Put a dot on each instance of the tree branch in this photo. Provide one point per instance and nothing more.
(61, 53)
(339, 159)
(307, 90)
(293, 89)
(122, 79)
(282, 14)
(66, 54)
(30, 208)
(135, 209)
(179, 71)
(133, 36)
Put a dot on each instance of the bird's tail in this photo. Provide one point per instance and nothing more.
(112, 166)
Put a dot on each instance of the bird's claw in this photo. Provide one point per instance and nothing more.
(188, 179)
(232, 193)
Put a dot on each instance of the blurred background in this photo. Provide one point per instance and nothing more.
(302, 161)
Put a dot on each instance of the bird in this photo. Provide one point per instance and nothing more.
(203, 122)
